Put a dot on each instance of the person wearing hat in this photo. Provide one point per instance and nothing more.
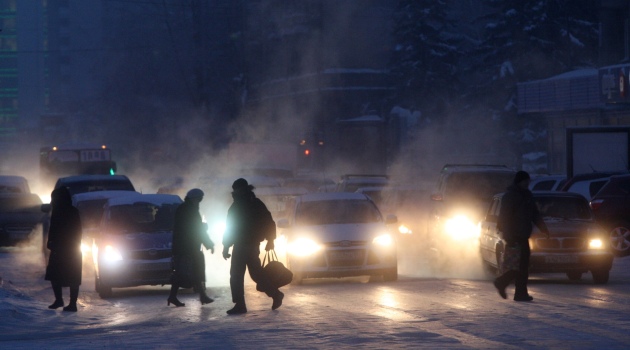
(518, 212)
(189, 233)
(249, 222)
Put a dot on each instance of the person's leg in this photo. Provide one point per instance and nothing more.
(237, 279)
(58, 296)
(74, 296)
(172, 297)
(523, 274)
(257, 273)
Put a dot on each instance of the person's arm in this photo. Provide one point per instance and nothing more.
(540, 223)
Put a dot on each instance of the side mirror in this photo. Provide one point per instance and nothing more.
(283, 223)
(46, 208)
(391, 219)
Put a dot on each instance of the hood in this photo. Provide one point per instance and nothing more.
(340, 232)
(567, 228)
(141, 240)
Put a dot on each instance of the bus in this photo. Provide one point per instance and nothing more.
(75, 159)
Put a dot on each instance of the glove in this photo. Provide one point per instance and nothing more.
(270, 246)
(226, 253)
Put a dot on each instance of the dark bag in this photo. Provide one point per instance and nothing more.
(511, 258)
(275, 273)
(183, 271)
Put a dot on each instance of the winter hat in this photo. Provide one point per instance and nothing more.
(195, 193)
(520, 176)
(240, 184)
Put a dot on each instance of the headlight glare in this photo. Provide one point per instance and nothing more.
(303, 247)
(595, 244)
(404, 230)
(112, 254)
(383, 240)
(461, 228)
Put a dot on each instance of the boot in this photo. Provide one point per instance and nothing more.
(57, 304)
(174, 301)
(277, 300)
(500, 289)
(238, 309)
(205, 299)
(72, 306)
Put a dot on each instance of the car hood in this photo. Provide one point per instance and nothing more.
(141, 240)
(566, 228)
(340, 232)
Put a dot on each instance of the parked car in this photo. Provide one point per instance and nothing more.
(460, 201)
(339, 235)
(133, 246)
(587, 184)
(13, 184)
(611, 206)
(352, 182)
(20, 218)
(576, 245)
(312, 184)
(547, 182)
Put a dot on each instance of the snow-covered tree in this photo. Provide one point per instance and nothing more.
(426, 54)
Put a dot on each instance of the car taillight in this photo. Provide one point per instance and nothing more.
(595, 204)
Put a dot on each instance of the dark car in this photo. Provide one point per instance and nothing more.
(134, 244)
(611, 206)
(90, 183)
(20, 218)
(460, 201)
(577, 245)
(587, 184)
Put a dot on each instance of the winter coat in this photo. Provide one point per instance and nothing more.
(518, 212)
(189, 233)
(249, 222)
(64, 241)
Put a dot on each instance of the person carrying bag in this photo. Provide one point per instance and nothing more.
(276, 275)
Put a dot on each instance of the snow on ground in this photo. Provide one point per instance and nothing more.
(418, 311)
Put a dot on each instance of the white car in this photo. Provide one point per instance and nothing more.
(339, 235)
(134, 243)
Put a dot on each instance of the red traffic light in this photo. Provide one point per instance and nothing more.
(307, 152)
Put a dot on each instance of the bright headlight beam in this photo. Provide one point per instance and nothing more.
(112, 254)
(460, 228)
(383, 240)
(404, 230)
(303, 247)
(595, 244)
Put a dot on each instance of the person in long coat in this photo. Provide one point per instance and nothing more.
(64, 241)
(249, 222)
(518, 213)
(189, 233)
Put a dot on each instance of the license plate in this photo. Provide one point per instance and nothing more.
(346, 255)
(561, 259)
(154, 267)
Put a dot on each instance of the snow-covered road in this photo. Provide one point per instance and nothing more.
(414, 312)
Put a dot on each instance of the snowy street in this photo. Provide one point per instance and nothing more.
(414, 312)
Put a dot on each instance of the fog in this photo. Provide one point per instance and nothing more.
(162, 123)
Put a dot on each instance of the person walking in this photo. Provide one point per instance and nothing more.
(189, 233)
(249, 222)
(64, 241)
(518, 212)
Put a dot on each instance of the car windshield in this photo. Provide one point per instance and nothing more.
(337, 212)
(277, 205)
(142, 217)
(477, 185)
(91, 212)
(563, 207)
(91, 186)
(12, 204)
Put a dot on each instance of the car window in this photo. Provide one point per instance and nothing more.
(91, 186)
(563, 207)
(91, 212)
(29, 203)
(337, 212)
(142, 217)
(595, 186)
(479, 185)
(545, 185)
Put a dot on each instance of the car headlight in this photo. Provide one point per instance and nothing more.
(112, 254)
(85, 249)
(383, 240)
(303, 247)
(404, 230)
(595, 244)
(461, 228)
